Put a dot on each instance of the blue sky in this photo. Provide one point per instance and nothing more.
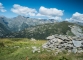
(65, 8)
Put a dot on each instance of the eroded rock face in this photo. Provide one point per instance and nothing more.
(77, 31)
(63, 42)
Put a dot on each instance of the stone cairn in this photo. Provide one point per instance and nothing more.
(64, 42)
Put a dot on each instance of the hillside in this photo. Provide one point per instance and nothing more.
(3, 30)
(42, 31)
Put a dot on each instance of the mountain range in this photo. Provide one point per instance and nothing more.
(20, 22)
(26, 27)
(42, 31)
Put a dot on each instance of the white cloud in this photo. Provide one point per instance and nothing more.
(51, 13)
(76, 17)
(2, 8)
(22, 10)
(39, 14)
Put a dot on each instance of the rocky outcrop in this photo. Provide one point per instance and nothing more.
(77, 31)
(64, 42)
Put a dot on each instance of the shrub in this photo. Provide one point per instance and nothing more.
(63, 58)
(2, 44)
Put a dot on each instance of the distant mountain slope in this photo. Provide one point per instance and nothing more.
(42, 31)
(26, 27)
(3, 30)
(3, 20)
(20, 22)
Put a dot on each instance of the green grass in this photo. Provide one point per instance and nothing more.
(9, 50)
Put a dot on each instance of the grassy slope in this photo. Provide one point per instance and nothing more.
(10, 51)
(42, 31)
